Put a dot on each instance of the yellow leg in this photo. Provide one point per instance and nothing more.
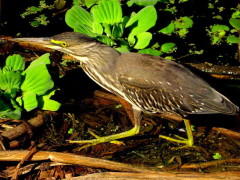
(189, 141)
(114, 137)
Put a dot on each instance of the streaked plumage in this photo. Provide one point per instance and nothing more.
(151, 83)
(161, 85)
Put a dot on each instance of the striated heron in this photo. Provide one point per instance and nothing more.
(149, 83)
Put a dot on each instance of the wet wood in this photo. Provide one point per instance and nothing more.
(69, 158)
(163, 176)
(210, 163)
(25, 158)
(22, 129)
(136, 172)
(218, 71)
(227, 132)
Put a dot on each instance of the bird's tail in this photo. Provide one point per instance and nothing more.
(230, 108)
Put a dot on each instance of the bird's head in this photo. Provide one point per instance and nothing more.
(72, 43)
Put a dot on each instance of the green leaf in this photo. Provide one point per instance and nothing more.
(7, 112)
(141, 2)
(107, 11)
(12, 114)
(80, 20)
(168, 47)
(233, 39)
(106, 40)
(217, 156)
(37, 77)
(97, 27)
(107, 29)
(123, 49)
(19, 101)
(168, 29)
(216, 40)
(236, 14)
(16, 62)
(143, 40)
(141, 22)
(89, 3)
(10, 83)
(6, 68)
(183, 22)
(150, 51)
(235, 23)
(34, 9)
(29, 101)
(46, 103)
(4, 106)
(218, 27)
(71, 131)
(42, 60)
(182, 32)
(35, 23)
(117, 31)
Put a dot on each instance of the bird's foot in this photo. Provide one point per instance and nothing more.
(188, 142)
(111, 138)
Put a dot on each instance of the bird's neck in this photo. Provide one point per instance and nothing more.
(102, 57)
(100, 66)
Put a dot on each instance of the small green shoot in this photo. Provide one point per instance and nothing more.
(70, 131)
(118, 106)
(217, 156)
(193, 128)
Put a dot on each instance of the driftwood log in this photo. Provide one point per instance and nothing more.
(125, 171)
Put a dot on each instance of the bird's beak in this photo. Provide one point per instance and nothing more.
(32, 42)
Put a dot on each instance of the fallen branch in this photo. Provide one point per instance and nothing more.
(227, 132)
(167, 176)
(13, 133)
(69, 158)
(136, 172)
(210, 164)
(217, 71)
(22, 129)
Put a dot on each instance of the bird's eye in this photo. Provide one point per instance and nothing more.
(60, 43)
(64, 44)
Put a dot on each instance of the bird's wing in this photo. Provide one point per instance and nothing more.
(157, 85)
